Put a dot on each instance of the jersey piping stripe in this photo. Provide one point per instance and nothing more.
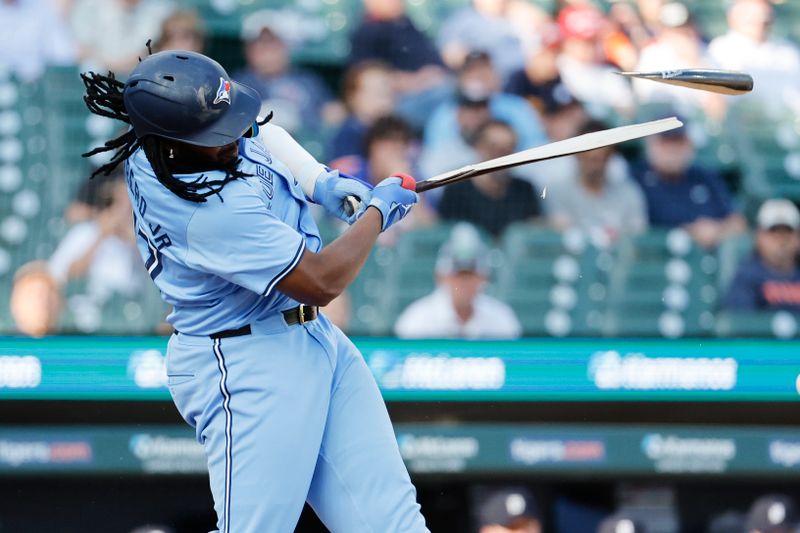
(226, 406)
(283, 273)
(153, 264)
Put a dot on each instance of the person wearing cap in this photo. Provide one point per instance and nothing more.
(681, 193)
(458, 308)
(772, 513)
(769, 280)
(749, 47)
(582, 67)
(677, 45)
(454, 151)
(508, 510)
(621, 522)
(301, 100)
(479, 85)
(495, 200)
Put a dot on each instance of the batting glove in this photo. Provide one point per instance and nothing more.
(341, 195)
(394, 197)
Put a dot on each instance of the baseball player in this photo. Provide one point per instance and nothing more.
(281, 400)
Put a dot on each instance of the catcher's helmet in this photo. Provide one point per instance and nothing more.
(188, 97)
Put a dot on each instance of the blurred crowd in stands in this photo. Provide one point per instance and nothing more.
(497, 76)
(515, 509)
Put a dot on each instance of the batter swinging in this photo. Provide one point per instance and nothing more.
(281, 400)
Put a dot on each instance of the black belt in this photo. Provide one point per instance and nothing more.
(299, 315)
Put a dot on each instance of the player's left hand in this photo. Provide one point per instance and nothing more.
(332, 190)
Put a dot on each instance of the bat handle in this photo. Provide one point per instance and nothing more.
(407, 182)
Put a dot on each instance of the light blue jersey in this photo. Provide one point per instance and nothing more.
(218, 262)
(286, 413)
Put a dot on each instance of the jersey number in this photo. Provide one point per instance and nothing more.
(153, 262)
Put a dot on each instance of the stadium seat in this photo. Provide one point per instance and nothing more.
(781, 324)
(730, 254)
(662, 285)
(556, 283)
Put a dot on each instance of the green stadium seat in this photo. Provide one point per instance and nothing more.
(779, 324)
(556, 283)
(662, 285)
(730, 254)
(368, 295)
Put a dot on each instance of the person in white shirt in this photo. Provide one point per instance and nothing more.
(774, 63)
(33, 35)
(458, 308)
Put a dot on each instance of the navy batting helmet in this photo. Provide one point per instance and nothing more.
(188, 97)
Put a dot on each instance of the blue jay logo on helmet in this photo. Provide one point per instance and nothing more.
(223, 92)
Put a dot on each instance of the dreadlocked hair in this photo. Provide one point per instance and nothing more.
(104, 97)
(196, 190)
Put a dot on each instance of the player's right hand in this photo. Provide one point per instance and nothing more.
(393, 200)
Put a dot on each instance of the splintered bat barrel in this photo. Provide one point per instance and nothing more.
(573, 145)
(717, 81)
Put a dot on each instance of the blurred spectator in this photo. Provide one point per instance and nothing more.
(727, 522)
(602, 207)
(581, 64)
(538, 79)
(102, 250)
(563, 117)
(458, 308)
(650, 12)
(509, 510)
(770, 279)
(182, 30)
(477, 80)
(772, 513)
(638, 20)
(112, 34)
(472, 112)
(681, 193)
(33, 36)
(621, 522)
(91, 196)
(561, 121)
(678, 45)
(300, 99)
(388, 35)
(35, 301)
(368, 95)
(492, 201)
(747, 46)
(482, 26)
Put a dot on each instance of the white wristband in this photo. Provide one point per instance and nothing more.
(303, 166)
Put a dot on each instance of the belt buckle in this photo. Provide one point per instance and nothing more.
(301, 314)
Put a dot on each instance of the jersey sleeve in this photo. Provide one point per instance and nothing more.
(242, 242)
